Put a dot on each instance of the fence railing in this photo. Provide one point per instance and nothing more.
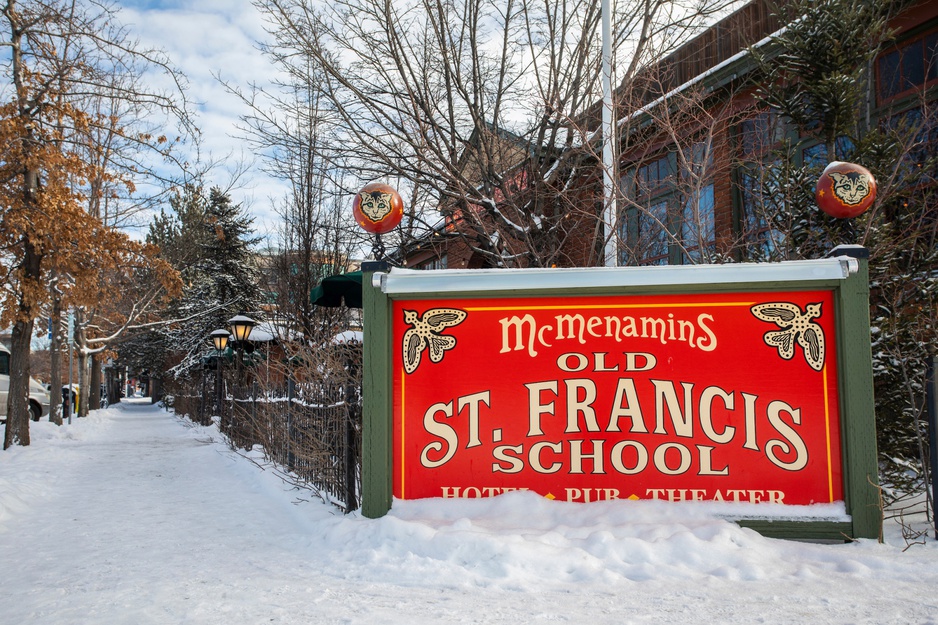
(313, 431)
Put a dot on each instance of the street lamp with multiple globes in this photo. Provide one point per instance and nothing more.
(220, 341)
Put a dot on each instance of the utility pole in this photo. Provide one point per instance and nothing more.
(611, 235)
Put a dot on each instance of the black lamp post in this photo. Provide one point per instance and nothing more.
(241, 326)
(220, 341)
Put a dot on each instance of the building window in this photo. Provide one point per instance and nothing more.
(759, 135)
(919, 133)
(434, 263)
(654, 178)
(645, 225)
(697, 223)
(758, 139)
(760, 239)
(652, 239)
(671, 214)
(816, 155)
(908, 67)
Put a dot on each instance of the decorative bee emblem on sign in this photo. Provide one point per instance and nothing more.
(425, 334)
(795, 326)
(375, 204)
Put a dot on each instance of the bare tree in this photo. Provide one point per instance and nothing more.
(317, 236)
(481, 109)
(675, 151)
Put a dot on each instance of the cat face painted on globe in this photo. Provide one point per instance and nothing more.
(850, 188)
(375, 204)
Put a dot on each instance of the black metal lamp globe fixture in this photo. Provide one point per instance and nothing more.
(220, 339)
(241, 326)
(220, 342)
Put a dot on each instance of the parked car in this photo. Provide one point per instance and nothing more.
(38, 397)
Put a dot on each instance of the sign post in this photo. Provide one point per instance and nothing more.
(742, 384)
(931, 400)
(376, 413)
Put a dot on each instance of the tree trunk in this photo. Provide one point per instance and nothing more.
(112, 381)
(17, 430)
(83, 383)
(55, 362)
(156, 388)
(94, 385)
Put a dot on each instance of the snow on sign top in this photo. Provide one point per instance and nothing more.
(409, 281)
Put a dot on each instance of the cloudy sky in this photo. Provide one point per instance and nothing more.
(209, 38)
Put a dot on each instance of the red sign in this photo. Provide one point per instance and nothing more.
(725, 397)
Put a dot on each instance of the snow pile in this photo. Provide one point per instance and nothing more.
(524, 542)
(349, 336)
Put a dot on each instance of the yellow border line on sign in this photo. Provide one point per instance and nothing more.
(827, 422)
(827, 429)
(595, 306)
(403, 429)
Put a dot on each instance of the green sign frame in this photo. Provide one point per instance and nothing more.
(845, 272)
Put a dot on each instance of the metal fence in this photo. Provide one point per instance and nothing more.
(311, 430)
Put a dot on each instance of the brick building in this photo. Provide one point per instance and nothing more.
(694, 147)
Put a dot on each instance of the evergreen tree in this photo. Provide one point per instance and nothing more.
(181, 232)
(227, 259)
(209, 240)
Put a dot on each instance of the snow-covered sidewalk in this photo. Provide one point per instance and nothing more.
(133, 516)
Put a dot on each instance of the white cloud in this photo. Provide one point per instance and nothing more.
(208, 39)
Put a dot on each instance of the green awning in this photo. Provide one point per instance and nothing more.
(334, 290)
